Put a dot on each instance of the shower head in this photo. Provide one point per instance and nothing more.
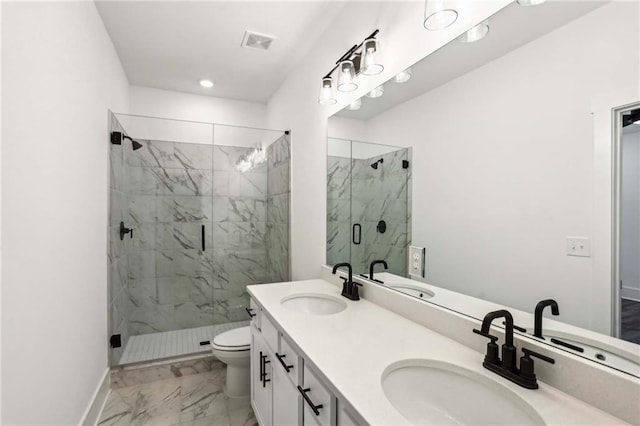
(375, 165)
(134, 144)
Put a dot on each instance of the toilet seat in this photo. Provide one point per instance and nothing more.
(236, 340)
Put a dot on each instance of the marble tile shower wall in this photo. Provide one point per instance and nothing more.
(338, 210)
(278, 195)
(117, 250)
(364, 195)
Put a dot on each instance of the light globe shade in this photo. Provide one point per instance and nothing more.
(346, 75)
(403, 76)
(376, 93)
(370, 64)
(326, 92)
(476, 33)
(439, 14)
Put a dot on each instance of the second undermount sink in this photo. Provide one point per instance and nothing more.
(314, 303)
(434, 392)
(412, 290)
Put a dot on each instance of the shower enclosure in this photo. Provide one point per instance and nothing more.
(368, 205)
(198, 211)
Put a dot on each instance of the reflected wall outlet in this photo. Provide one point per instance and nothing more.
(416, 261)
(578, 246)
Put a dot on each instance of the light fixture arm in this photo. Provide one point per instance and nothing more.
(350, 52)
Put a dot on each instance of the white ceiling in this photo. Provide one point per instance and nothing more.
(510, 28)
(172, 45)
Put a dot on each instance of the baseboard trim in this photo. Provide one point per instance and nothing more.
(630, 293)
(99, 399)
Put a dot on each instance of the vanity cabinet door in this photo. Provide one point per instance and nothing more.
(261, 379)
(286, 399)
(317, 404)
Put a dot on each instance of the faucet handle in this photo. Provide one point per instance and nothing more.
(526, 366)
(491, 357)
(493, 339)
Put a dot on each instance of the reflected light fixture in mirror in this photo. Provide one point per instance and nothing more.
(376, 93)
(439, 14)
(403, 76)
(326, 92)
(371, 57)
(345, 77)
(476, 33)
(530, 2)
(355, 105)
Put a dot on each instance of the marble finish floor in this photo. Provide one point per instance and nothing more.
(167, 344)
(195, 400)
(630, 321)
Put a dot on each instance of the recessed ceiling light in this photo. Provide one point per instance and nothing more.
(530, 2)
(376, 93)
(476, 33)
(355, 105)
(206, 83)
(403, 76)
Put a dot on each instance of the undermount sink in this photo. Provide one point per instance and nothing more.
(433, 392)
(412, 290)
(314, 303)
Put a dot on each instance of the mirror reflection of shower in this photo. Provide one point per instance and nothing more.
(375, 165)
(116, 139)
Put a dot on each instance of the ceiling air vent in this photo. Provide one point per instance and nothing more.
(257, 40)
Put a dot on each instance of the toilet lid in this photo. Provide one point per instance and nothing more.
(236, 338)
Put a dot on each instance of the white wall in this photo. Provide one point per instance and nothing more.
(496, 197)
(184, 106)
(294, 105)
(60, 76)
(347, 128)
(630, 214)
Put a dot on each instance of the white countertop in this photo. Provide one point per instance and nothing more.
(353, 348)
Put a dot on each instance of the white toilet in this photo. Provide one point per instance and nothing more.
(233, 347)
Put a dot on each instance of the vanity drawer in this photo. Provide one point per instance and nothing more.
(318, 395)
(290, 358)
(255, 310)
(269, 332)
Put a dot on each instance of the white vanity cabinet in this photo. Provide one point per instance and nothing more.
(285, 388)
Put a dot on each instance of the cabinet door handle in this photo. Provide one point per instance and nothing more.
(250, 312)
(287, 368)
(309, 401)
(261, 365)
(263, 376)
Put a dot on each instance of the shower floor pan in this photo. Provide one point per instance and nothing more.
(168, 344)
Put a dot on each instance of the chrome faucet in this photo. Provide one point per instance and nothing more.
(349, 288)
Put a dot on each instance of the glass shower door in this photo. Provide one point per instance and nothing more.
(379, 206)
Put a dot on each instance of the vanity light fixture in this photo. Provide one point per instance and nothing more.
(439, 14)
(362, 59)
(403, 76)
(355, 105)
(371, 57)
(326, 92)
(376, 93)
(530, 2)
(476, 33)
(207, 84)
(346, 76)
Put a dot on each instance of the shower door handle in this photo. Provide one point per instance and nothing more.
(202, 236)
(357, 230)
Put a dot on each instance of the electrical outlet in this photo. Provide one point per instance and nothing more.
(579, 246)
(416, 261)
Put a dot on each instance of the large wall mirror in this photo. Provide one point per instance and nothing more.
(501, 135)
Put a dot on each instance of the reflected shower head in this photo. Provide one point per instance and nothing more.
(375, 165)
(116, 139)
